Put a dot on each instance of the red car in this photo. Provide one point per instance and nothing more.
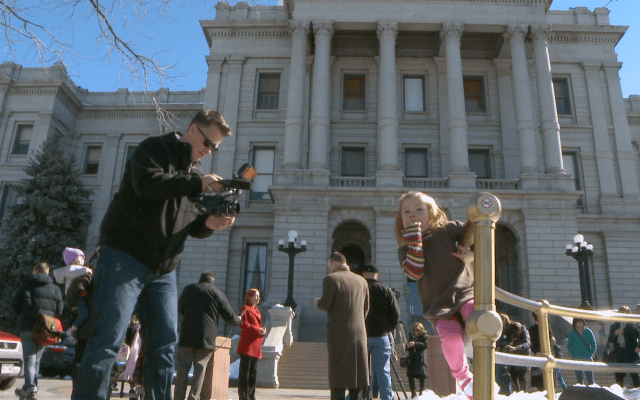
(10, 359)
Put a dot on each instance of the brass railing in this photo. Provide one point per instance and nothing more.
(484, 325)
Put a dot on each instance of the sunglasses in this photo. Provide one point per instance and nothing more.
(207, 142)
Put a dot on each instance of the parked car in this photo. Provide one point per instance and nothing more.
(57, 359)
(10, 359)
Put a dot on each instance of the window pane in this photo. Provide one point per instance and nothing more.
(479, 163)
(130, 150)
(9, 198)
(570, 165)
(23, 138)
(268, 91)
(413, 94)
(92, 160)
(561, 90)
(415, 163)
(255, 268)
(263, 162)
(352, 161)
(354, 90)
(474, 95)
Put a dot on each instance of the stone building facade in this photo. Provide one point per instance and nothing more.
(342, 105)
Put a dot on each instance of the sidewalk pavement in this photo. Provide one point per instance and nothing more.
(60, 389)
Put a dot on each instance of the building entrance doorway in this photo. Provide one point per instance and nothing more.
(352, 239)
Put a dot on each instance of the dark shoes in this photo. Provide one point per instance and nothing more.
(23, 394)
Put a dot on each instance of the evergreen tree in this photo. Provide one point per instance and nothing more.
(52, 213)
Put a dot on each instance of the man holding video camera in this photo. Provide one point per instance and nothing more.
(141, 242)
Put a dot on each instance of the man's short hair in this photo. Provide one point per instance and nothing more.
(209, 117)
(337, 258)
(370, 268)
(207, 277)
(41, 268)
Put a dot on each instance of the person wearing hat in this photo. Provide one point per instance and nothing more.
(383, 317)
(74, 260)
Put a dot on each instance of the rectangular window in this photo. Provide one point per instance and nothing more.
(23, 138)
(561, 90)
(416, 163)
(480, 163)
(474, 95)
(570, 161)
(255, 269)
(354, 92)
(92, 160)
(263, 162)
(353, 161)
(9, 198)
(268, 92)
(414, 93)
(130, 149)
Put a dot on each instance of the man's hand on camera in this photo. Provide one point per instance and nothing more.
(219, 222)
(209, 183)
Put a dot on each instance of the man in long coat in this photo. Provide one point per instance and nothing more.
(345, 298)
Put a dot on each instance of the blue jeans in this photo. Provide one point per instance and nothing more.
(380, 353)
(560, 379)
(123, 285)
(31, 354)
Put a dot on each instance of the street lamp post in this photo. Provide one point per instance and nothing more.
(581, 251)
(292, 251)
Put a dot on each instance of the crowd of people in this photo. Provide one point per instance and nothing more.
(141, 243)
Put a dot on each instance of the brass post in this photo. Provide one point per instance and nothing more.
(545, 347)
(484, 324)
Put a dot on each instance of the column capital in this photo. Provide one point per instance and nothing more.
(591, 65)
(541, 33)
(235, 63)
(387, 30)
(214, 63)
(452, 30)
(516, 33)
(323, 29)
(299, 29)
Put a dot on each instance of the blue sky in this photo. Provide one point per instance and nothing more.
(179, 41)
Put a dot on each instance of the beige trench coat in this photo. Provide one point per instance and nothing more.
(345, 298)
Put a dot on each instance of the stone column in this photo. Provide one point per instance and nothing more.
(295, 101)
(443, 114)
(320, 99)
(549, 124)
(108, 158)
(459, 174)
(522, 99)
(212, 89)
(227, 148)
(510, 143)
(388, 173)
(601, 138)
(621, 133)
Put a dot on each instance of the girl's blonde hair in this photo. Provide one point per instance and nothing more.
(437, 217)
(418, 325)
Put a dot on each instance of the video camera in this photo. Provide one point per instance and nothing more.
(226, 202)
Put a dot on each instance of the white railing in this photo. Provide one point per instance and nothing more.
(495, 184)
(425, 183)
(353, 181)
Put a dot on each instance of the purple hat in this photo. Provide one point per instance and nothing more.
(70, 254)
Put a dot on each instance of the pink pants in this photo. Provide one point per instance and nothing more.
(450, 334)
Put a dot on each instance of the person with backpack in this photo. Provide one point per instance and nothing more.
(38, 294)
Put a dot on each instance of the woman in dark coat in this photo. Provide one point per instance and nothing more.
(519, 343)
(624, 338)
(250, 345)
(417, 364)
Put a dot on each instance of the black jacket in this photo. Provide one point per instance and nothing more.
(38, 293)
(152, 214)
(626, 354)
(417, 366)
(201, 304)
(384, 311)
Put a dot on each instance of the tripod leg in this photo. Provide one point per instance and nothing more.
(395, 370)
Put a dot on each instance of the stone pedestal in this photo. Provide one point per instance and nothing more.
(216, 377)
(438, 373)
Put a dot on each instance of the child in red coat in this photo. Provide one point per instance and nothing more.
(250, 345)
